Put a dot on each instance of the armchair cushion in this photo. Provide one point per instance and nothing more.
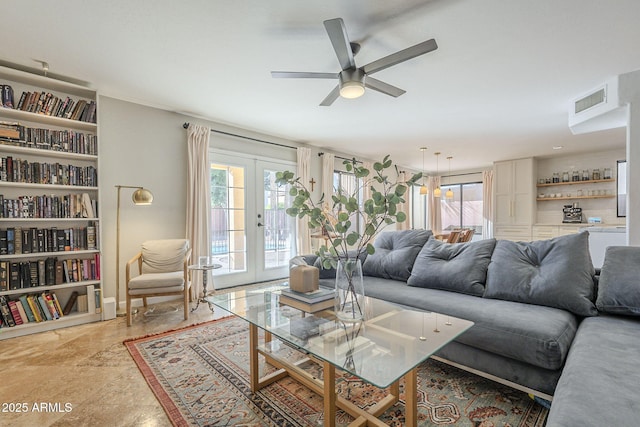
(162, 256)
(157, 280)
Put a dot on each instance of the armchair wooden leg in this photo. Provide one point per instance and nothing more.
(128, 310)
(186, 303)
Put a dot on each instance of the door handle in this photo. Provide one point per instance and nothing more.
(260, 224)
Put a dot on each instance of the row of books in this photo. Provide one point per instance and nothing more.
(48, 104)
(18, 240)
(68, 141)
(47, 272)
(45, 306)
(68, 206)
(18, 170)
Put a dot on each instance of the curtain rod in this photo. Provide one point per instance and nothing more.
(186, 125)
(461, 174)
(320, 154)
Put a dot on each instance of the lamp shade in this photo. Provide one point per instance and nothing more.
(449, 194)
(142, 196)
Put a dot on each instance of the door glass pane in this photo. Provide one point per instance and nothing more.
(465, 209)
(228, 230)
(450, 208)
(278, 226)
(472, 207)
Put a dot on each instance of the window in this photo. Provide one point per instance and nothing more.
(465, 210)
(348, 184)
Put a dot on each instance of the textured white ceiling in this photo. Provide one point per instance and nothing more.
(498, 87)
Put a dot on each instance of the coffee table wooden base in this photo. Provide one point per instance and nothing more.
(327, 389)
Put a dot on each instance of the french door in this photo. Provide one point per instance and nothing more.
(252, 237)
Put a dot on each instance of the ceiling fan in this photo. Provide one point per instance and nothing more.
(352, 80)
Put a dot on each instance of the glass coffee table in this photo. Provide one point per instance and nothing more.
(387, 346)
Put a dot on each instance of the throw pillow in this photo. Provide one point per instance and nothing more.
(555, 273)
(619, 286)
(458, 267)
(395, 253)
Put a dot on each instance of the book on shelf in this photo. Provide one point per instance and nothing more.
(91, 299)
(23, 313)
(70, 303)
(44, 307)
(27, 308)
(13, 307)
(83, 306)
(35, 308)
(5, 312)
(321, 294)
(4, 276)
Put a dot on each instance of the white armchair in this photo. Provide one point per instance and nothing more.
(162, 271)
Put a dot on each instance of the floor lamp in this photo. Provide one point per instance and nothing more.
(141, 196)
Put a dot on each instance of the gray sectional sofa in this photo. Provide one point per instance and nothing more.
(542, 323)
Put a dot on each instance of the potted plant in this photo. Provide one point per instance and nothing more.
(337, 218)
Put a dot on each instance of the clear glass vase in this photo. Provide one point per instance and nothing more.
(349, 299)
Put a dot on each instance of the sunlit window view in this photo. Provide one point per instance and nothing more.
(464, 210)
(228, 228)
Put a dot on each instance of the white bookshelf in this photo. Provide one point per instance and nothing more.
(11, 190)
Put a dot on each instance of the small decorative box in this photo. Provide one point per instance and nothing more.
(303, 278)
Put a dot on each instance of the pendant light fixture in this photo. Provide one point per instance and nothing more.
(437, 192)
(423, 189)
(449, 194)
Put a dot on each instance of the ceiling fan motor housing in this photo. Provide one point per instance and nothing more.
(352, 83)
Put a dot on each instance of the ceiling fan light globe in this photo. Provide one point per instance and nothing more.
(352, 89)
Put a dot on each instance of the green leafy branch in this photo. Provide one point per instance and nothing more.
(337, 216)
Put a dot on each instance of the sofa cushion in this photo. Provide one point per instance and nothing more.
(619, 285)
(395, 253)
(556, 273)
(458, 267)
(533, 334)
(600, 382)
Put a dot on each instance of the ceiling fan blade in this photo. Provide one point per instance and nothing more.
(400, 56)
(302, 75)
(383, 87)
(340, 41)
(333, 95)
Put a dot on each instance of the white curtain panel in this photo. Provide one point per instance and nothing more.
(487, 204)
(435, 214)
(304, 172)
(198, 200)
(328, 165)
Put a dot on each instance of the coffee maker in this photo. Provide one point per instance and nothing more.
(571, 214)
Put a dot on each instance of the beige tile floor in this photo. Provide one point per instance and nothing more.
(84, 375)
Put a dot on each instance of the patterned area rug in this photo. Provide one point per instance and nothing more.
(200, 376)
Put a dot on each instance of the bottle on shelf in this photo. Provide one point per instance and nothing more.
(556, 177)
(585, 175)
(607, 173)
(565, 176)
(575, 176)
(596, 174)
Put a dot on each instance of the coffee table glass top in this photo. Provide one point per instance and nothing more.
(390, 342)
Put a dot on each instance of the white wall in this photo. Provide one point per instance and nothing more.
(139, 146)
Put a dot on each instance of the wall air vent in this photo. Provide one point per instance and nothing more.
(599, 109)
(589, 101)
